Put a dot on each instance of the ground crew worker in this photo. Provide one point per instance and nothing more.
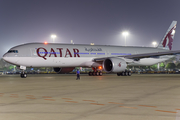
(78, 74)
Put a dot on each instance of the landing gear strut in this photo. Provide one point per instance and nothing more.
(23, 74)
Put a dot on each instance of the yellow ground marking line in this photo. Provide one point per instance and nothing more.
(1, 94)
(46, 97)
(67, 98)
(166, 111)
(30, 95)
(72, 101)
(128, 107)
(50, 99)
(115, 103)
(89, 100)
(96, 104)
(30, 98)
(148, 106)
(14, 96)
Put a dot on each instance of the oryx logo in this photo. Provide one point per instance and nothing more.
(169, 36)
(119, 64)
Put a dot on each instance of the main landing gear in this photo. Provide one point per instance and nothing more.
(126, 73)
(95, 72)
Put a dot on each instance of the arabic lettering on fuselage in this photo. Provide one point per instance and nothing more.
(52, 52)
(92, 49)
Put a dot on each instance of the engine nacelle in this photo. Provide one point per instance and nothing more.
(114, 65)
(63, 70)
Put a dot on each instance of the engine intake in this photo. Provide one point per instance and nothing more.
(114, 65)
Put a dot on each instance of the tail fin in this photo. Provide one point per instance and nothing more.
(166, 42)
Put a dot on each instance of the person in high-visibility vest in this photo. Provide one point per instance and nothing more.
(78, 74)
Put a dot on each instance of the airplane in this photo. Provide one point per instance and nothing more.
(65, 57)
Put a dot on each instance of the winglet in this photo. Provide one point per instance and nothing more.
(166, 42)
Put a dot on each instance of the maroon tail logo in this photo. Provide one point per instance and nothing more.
(169, 36)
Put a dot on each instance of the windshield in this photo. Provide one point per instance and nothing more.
(13, 51)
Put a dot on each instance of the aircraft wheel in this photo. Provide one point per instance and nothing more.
(129, 73)
(25, 75)
(97, 73)
(100, 73)
(94, 73)
(118, 74)
(123, 73)
(126, 73)
(21, 75)
(90, 73)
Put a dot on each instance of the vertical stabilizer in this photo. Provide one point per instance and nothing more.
(166, 42)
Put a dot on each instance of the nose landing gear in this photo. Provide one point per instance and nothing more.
(23, 74)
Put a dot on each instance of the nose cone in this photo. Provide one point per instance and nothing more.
(8, 57)
(5, 57)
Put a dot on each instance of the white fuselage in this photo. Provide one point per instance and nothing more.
(70, 55)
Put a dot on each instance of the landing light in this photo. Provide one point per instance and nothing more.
(100, 67)
(45, 43)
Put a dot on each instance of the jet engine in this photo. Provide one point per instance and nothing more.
(63, 70)
(114, 65)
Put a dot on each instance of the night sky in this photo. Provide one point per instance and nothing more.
(87, 21)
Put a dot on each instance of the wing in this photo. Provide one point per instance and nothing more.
(151, 55)
(137, 57)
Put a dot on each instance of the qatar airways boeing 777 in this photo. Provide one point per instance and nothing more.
(65, 57)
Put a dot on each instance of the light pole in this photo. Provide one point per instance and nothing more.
(154, 43)
(53, 37)
(125, 34)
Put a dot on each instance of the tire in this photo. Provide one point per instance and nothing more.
(100, 74)
(118, 74)
(90, 73)
(123, 73)
(97, 73)
(25, 75)
(94, 74)
(21, 75)
(129, 73)
(126, 73)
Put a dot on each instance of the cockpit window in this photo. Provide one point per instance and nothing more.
(13, 51)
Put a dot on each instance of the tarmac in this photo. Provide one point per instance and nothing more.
(107, 97)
